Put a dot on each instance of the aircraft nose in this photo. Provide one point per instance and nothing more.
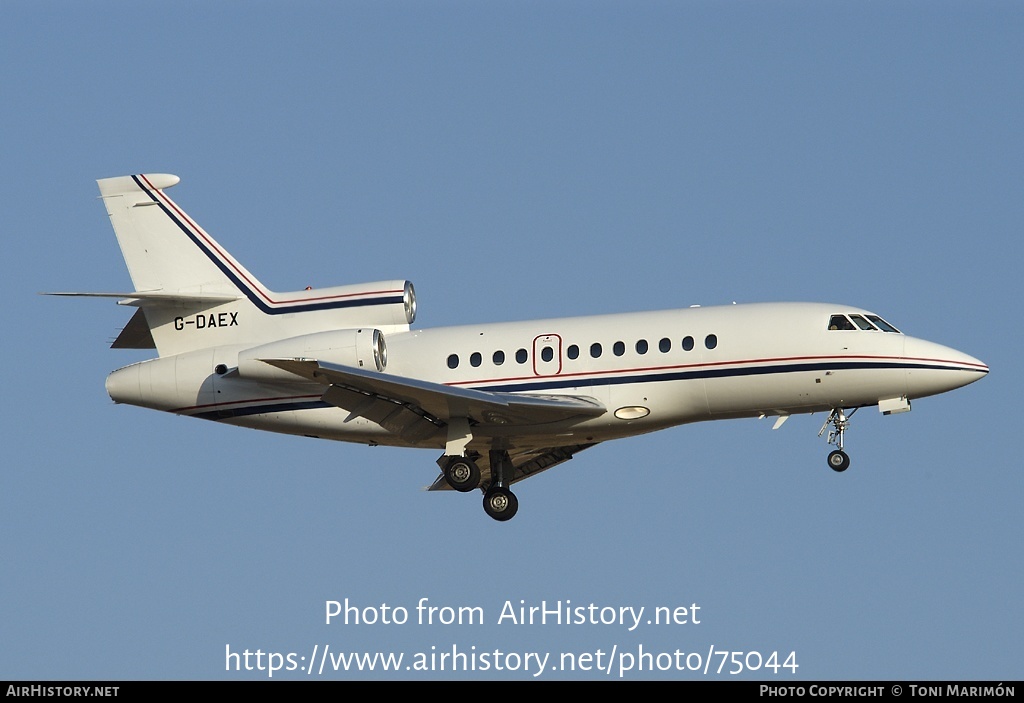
(933, 368)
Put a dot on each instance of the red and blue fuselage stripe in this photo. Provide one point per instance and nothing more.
(563, 383)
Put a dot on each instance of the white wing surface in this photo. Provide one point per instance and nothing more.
(436, 402)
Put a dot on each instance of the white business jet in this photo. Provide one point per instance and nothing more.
(502, 401)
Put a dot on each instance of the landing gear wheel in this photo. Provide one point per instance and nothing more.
(462, 474)
(500, 503)
(838, 460)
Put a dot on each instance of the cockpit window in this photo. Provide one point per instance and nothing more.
(839, 322)
(842, 322)
(861, 322)
(882, 324)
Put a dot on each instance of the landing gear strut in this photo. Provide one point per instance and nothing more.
(499, 502)
(838, 460)
(462, 473)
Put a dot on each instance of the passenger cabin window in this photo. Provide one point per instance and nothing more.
(687, 343)
(665, 345)
(711, 341)
(839, 322)
(595, 350)
(453, 361)
(547, 354)
(498, 358)
(641, 346)
(619, 348)
(521, 356)
(475, 359)
(573, 351)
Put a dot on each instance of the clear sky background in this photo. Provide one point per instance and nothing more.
(518, 160)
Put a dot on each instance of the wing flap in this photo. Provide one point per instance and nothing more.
(396, 418)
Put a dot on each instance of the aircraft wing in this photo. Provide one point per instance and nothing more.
(369, 393)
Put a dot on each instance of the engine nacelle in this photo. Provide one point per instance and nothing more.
(362, 348)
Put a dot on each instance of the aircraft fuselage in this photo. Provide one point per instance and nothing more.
(651, 370)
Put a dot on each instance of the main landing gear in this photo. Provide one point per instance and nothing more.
(838, 460)
(500, 503)
(463, 474)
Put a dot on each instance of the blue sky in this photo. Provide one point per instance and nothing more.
(519, 160)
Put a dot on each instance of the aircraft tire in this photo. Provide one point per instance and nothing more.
(462, 474)
(838, 461)
(501, 504)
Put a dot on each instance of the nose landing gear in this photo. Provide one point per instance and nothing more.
(838, 460)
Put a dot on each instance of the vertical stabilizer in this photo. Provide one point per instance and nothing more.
(195, 295)
(166, 251)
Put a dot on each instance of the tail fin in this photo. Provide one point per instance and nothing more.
(165, 251)
(195, 295)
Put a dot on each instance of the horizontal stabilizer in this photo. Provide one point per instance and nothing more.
(141, 298)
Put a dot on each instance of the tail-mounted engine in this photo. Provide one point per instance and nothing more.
(362, 348)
